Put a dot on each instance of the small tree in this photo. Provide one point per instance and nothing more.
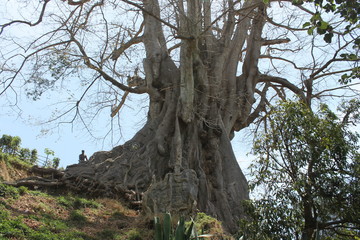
(48, 153)
(34, 156)
(15, 144)
(5, 143)
(56, 162)
(25, 154)
(307, 170)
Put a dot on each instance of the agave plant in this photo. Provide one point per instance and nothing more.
(165, 231)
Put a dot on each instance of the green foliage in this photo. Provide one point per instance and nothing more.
(9, 191)
(347, 24)
(207, 224)
(77, 202)
(307, 174)
(34, 156)
(77, 217)
(25, 154)
(4, 157)
(9, 144)
(22, 190)
(10, 149)
(56, 162)
(134, 234)
(165, 231)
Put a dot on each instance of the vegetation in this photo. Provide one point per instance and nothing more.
(33, 215)
(36, 215)
(306, 175)
(10, 149)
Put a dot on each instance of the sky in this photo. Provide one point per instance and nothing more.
(67, 143)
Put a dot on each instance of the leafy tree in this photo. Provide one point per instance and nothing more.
(10, 144)
(25, 154)
(56, 162)
(307, 175)
(48, 153)
(5, 143)
(348, 12)
(208, 69)
(34, 156)
(15, 144)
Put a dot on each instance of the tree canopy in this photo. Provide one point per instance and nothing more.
(307, 175)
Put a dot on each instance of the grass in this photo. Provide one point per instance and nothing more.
(36, 215)
(58, 215)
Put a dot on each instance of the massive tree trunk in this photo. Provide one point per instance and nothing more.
(182, 159)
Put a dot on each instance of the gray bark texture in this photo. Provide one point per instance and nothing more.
(182, 160)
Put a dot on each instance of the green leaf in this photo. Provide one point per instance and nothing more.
(307, 24)
(310, 30)
(158, 230)
(323, 25)
(167, 226)
(328, 37)
(180, 230)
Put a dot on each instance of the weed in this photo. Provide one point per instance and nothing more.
(77, 216)
(207, 224)
(77, 202)
(83, 203)
(8, 191)
(107, 234)
(38, 193)
(23, 190)
(134, 234)
(13, 229)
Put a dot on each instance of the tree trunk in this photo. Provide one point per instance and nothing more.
(179, 167)
(182, 160)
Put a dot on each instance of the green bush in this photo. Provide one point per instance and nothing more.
(8, 191)
(134, 234)
(22, 190)
(4, 157)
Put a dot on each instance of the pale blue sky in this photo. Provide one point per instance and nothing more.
(67, 141)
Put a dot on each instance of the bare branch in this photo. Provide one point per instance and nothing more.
(116, 110)
(136, 39)
(106, 76)
(75, 3)
(3, 26)
(284, 82)
(151, 14)
(286, 60)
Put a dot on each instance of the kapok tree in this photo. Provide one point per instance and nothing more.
(199, 67)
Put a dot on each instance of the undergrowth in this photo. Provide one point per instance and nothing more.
(37, 215)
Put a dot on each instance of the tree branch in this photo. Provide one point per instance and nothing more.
(3, 26)
(284, 82)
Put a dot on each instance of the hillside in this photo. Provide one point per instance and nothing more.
(56, 213)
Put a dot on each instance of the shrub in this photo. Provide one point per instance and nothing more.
(22, 190)
(78, 202)
(77, 216)
(134, 234)
(8, 191)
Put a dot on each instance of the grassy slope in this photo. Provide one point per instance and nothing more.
(43, 215)
(30, 215)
